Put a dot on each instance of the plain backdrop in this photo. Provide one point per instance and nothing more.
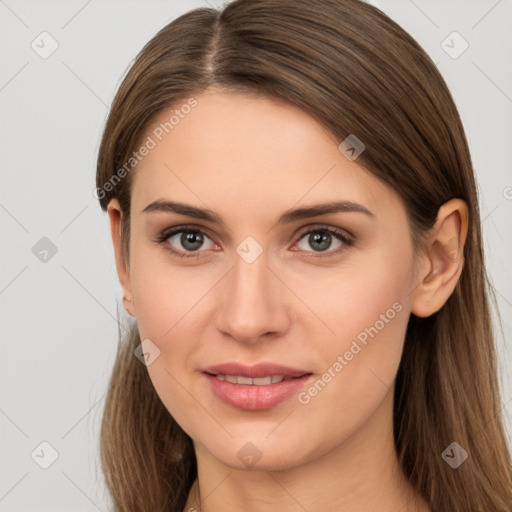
(58, 287)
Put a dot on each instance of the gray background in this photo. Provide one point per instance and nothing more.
(58, 311)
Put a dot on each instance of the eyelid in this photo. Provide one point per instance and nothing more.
(343, 235)
(327, 227)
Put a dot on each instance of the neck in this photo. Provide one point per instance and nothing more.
(362, 473)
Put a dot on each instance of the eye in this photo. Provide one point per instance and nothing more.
(191, 239)
(321, 239)
(188, 241)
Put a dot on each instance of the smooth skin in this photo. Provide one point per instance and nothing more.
(249, 160)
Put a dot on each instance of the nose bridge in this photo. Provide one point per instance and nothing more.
(250, 279)
(252, 304)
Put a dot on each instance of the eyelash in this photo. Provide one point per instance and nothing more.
(165, 235)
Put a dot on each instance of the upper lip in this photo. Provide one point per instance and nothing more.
(255, 371)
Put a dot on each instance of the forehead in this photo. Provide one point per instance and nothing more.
(238, 151)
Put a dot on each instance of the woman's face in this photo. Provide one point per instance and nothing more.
(253, 288)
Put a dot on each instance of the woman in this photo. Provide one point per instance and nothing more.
(296, 230)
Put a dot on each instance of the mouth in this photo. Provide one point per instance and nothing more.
(256, 381)
(250, 388)
(260, 370)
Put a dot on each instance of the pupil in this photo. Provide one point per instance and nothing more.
(191, 238)
(319, 238)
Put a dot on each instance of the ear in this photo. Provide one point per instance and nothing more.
(441, 264)
(115, 216)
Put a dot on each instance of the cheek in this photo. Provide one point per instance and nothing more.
(165, 295)
(367, 309)
(363, 299)
(168, 303)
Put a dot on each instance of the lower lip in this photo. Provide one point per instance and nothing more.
(252, 397)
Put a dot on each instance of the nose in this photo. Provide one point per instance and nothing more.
(252, 302)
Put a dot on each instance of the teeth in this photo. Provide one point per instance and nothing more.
(263, 381)
(248, 381)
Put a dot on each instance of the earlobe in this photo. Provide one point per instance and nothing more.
(128, 305)
(443, 260)
(115, 217)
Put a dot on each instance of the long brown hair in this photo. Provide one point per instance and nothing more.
(357, 72)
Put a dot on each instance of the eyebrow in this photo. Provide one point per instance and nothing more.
(287, 217)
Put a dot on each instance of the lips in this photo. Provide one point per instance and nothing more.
(256, 381)
(255, 371)
(257, 387)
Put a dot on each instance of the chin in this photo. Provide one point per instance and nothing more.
(261, 455)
